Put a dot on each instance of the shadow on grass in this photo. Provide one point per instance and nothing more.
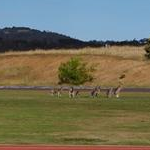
(84, 140)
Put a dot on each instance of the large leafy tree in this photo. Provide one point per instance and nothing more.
(74, 72)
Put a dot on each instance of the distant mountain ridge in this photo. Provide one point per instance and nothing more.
(23, 39)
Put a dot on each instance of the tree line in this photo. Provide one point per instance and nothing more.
(24, 39)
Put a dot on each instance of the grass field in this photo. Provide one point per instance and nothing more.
(35, 117)
(131, 52)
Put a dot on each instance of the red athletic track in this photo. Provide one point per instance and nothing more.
(74, 148)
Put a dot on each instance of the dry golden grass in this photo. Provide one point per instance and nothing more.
(124, 52)
(40, 67)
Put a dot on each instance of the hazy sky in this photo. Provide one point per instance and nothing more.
(82, 19)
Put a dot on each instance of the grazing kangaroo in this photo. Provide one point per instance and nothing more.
(56, 92)
(95, 92)
(71, 92)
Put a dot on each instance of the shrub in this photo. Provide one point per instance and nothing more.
(74, 72)
(147, 49)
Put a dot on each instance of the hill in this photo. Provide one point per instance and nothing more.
(40, 67)
(22, 38)
(25, 39)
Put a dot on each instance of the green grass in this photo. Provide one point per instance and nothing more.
(35, 117)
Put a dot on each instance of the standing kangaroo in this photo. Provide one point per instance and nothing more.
(71, 92)
(109, 92)
(59, 91)
(117, 91)
(114, 91)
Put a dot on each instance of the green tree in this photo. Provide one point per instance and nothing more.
(147, 49)
(74, 72)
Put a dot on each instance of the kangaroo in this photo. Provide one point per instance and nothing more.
(56, 92)
(76, 92)
(117, 91)
(95, 92)
(59, 91)
(53, 92)
(109, 92)
(71, 92)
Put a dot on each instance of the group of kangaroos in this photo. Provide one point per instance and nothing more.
(95, 92)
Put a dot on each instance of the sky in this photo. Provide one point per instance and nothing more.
(81, 19)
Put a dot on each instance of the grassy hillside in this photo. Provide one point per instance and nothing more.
(40, 67)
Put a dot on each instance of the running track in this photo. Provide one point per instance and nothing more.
(74, 148)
